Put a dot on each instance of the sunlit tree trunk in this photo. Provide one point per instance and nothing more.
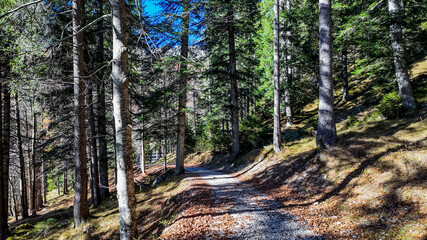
(402, 75)
(120, 78)
(277, 131)
(81, 209)
(287, 73)
(180, 153)
(326, 130)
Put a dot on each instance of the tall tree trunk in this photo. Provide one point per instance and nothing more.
(102, 120)
(24, 197)
(94, 174)
(287, 73)
(326, 129)
(232, 74)
(120, 78)
(81, 209)
(58, 179)
(180, 153)
(402, 75)
(6, 139)
(30, 167)
(3, 205)
(34, 162)
(277, 130)
(344, 75)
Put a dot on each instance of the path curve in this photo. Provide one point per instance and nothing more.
(255, 215)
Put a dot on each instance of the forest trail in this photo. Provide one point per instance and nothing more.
(235, 211)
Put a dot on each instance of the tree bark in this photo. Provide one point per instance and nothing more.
(232, 75)
(102, 120)
(81, 209)
(287, 74)
(3, 205)
(142, 163)
(402, 75)
(180, 153)
(64, 182)
(43, 182)
(326, 129)
(24, 197)
(120, 78)
(6, 139)
(277, 130)
(94, 174)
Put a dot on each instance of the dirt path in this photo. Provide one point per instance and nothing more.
(251, 214)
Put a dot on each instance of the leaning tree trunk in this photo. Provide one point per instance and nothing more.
(402, 75)
(81, 209)
(3, 205)
(232, 75)
(120, 78)
(24, 197)
(180, 153)
(326, 130)
(6, 139)
(277, 131)
(94, 174)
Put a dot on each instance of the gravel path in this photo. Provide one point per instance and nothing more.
(255, 215)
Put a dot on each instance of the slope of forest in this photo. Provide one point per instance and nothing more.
(372, 185)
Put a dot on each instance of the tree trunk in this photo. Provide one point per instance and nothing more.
(58, 179)
(6, 139)
(277, 130)
(24, 198)
(232, 75)
(34, 164)
(326, 130)
(102, 120)
(180, 153)
(344, 75)
(3, 205)
(81, 209)
(142, 164)
(402, 75)
(64, 182)
(43, 182)
(120, 78)
(30, 167)
(287, 73)
(94, 174)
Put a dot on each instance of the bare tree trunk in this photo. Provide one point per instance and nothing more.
(102, 120)
(3, 205)
(94, 174)
(326, 129)
(120, 78)
(81, 209)
(232, 74)
(6, 139)
(58, 179)
(142, 164)
(34, 162)
(13, 199)
(402, 75)
(24, 198)
(180, 153)
(344, 75)
(30, 166)
(287, 74)
(277, 130)
(43, 182)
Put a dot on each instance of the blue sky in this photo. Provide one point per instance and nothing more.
(151, 7)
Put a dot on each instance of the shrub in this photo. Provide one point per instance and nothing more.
(390, 105)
